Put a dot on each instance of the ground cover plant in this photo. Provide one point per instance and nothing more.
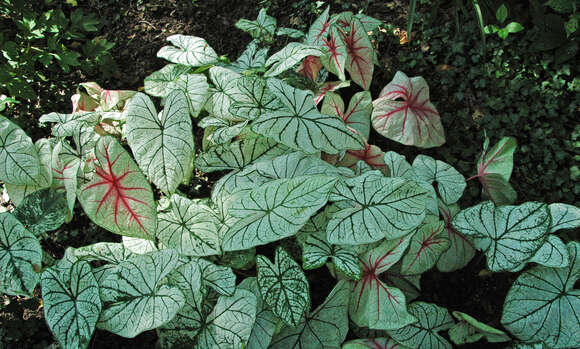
(303, 190)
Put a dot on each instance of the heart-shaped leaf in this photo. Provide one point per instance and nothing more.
(564, 216)
(253, 57)
(133, 298)
(262, 28)
(72, 304)
(358, 114)
(330, 86)
(383, 207)
(423, 334)
(335, 58)
(119, 198)
(509, 235)
(275, 210)
(19, 161)
(374, 304)
(461, 249)
(188, 50)
(359, 62)
(553, 253)
(221, 279)
(301, 126)
(310, 67)
(258, 99)
(163, 145)
(324, 328)
(224, 93)
(156, 84)
(542, 304)
(284, 287)
(195, 88)
(319, 29)
(317, 251)
(20, 256)
(404, 113)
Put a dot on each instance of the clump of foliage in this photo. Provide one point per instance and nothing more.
(303, 181)
(41, 42)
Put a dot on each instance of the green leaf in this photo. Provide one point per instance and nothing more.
(449, 182)
(469, 330)
(188, 50)
(72, 304)
(553, 253)
(230, 323)
(42, 211)
(19, 161)
(373, 303)
(156, 84)
(542, 305)
(290, 32)
(189, 228)
(324, 328)
(495, 168)
(373, 343)
(119, 198)
(133, 298)
(163, 145)
(424, 333)
(509, 235)
(65, 172)
(501, 13)
(284, 287)
(319, 29)
(289, 56)
(239, 154)
(514, 27)
(275, 210)
(427, 244)
(562, 6)
(258, 99)
(382, 207)
(404, 113)
(301, 126)
(20, 255)
(253, 57)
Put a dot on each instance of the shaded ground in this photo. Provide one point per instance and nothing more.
(140, 30)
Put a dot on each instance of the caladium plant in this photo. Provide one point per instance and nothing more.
(306, 189)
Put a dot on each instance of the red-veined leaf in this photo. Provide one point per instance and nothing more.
(310, 67)
(359, 62)
(373, 304)
(335, 59)
(404, 113)
(319, 29)
(329, 87)
(119, 197)
(461, 249)
(427, 244)
(357, 116)
(371, 155)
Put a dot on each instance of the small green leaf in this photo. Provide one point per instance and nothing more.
(514, 27)
(284, 287)
(469, 330)
(501, 13)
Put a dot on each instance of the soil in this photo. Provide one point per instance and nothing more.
(139, 29)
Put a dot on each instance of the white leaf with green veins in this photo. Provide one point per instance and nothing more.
(284, 287)
(289, 56)
(224, 93)
(163, 145)
(224, 134)
(19, 161)
(72, 304)
(542, 304)
(187, 323)
(18, 192)
(275, 210)
(230, 323)
(238, 154)
(139, 246)
(188, 228)
(301, 126)
(384, 207)
(553, 253)
(564, 216)
(262, 28)
(133, 298)
(67, 124)
(65, 172)
(188, 50)
(461, 249)
(450, 183)
(324, 328)
(44, 210)
(20, 255)
(156, 84)
(258, 99)
(253, 57)
(195, 87)
(221, 279)
(398, 166)
(266, 321)
(509, 235)
(110, 252)
(424, 333)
